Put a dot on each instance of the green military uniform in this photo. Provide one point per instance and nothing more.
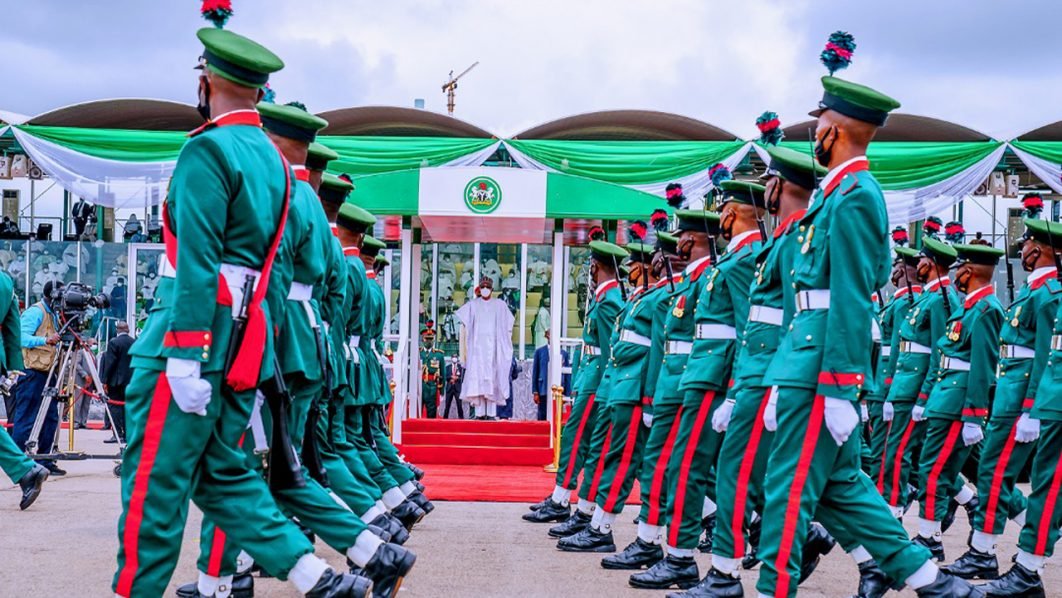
(825, 357)
(922, 325)
(431, 373)
(965, 374)
(720, 319)
(223, 212)
(743, 455)
(13, 461)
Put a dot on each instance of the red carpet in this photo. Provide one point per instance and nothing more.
(491, 483)
(465, 442)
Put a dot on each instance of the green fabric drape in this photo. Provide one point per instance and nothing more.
(113, 144)
(902, 165)
(370, 155)
(627, 162)
(1047, 150)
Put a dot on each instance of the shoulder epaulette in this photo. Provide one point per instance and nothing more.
(1054, 286)
(850, 188)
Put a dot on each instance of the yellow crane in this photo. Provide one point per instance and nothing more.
(451, 85)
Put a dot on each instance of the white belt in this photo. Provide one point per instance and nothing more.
(813, 299)
(715, 331)
(910, 347)
(300, 292)
(591, 350)
(629, 336)
(234, 278)
(352, 345)
(1016, 352)
(1056, 342)
(950, 363)
(678, 347)
(258, 435)
(767, 315)
(886, 351)
(875, 330)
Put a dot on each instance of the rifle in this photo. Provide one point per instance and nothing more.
(1010, 266)
(311, 454)
(284, 470)
(670, 272)
(239, 323)
(1058, 259)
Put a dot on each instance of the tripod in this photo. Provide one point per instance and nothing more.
(71, 350)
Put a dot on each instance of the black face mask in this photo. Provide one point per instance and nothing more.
(923, 273)
(774, 200)
(685, 251)
(823, 153)
(727, 228)
(204, 100)
(962, 280)
(1028, 259)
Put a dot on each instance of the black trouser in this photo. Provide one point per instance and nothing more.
(116, 405)
(452, 394)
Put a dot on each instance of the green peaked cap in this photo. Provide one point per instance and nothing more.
(290, 121)
(797, 168)
(606, 252)
(1049, 233)
(908, 255)
(319, 155)
(382, 259)
(938, 251)
(856, 101)
(640, 252)
(701, 221)
(371, 246)
(334, 190)
(237, 58)
(666, 242)
(743, 192)
(978, 254)
(354, 218)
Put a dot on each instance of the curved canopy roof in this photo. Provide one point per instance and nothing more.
(123, 113)
(618, 125)
(394, 121)
(904, 127)
(1051, 132)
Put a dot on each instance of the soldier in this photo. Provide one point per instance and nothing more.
(225, 212)
(597, 331)
(958, 403)
(431, 369)
(697, 230)
(1026, 344)
(824, 359)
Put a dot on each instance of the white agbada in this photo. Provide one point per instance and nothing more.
(488, 327)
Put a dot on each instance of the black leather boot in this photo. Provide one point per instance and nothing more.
(873, 583)
(31, 485)
(409, 514)
(421, 501)
(714, 585)
(549, 513)
(637, 555)
(242, 586)
(974, 565)
(418, 473)
(588, 540)
(949, 516)
(936, 547)
(418, 486)
(708, 523)
(379, 532)
(341, 585)
(392, 526)
(387, 568)
(818, 543)
(670, 571)
(949, 586)
(1019, 581)
(752, 538)
(538, 505)
(571, 526)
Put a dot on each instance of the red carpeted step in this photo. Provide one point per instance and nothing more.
(476, 455)
(454, 439)
(493, 483)
(463, 426)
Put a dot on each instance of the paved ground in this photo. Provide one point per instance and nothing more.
(64, 546)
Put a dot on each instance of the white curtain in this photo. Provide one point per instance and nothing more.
(475, 158)
(109, 183)
(1048, 172)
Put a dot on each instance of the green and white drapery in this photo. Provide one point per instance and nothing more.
(1044, 159)
(647, 166)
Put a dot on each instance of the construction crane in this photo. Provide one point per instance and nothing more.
(451, 85)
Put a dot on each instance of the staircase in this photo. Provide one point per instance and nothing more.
(467, 442)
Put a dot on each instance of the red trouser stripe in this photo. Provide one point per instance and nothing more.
(938, 466)
(217, 548)
(625, 460)
(661, 469)
(600, 464)
(1049, 510)
(884, 458)
(997, 480)
(570, 469)
(741, 489)
(684, 469)
(792, 508)
(160, 403)
(897, 465)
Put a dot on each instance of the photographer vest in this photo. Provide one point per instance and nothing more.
(41, 358)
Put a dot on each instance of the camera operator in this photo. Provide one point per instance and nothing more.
(40, 335)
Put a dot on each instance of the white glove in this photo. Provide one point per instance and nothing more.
(647, 419)
(887, 412)
(190, 392)
(770, 412)
(1028, 429)
(721, 417)
(841, 419)
(918, 413)
(864, 414)
(972, 434)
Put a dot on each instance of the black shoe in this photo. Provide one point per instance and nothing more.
(550, 513)
(949, 586)
(392, 526)
(571, 526)
(1019, 581)
(418, 486)
(637, 555)
(379, 532)
(974, 565)
(418, 473)
(714, 585)
(752, 538)
(873, 583)
(538, 505)
(588, 540)
(421, 501)
(111, 440)
(971, 509)
(949, 516)
(242, 587)
(668, 572)
(818, 543)
(409, 514)
(936, 547)
(708, 523)
(341, 585)
(388, 567)
(53, 468)
(31, 485)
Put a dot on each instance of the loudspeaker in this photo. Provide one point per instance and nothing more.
(1012, 185)
(996, 184)
(5, 167)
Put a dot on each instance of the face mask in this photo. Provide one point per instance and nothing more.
(923, 273)
(685, 250)
(727, 226)
(962, 280)
(823, 153)
(484, 292)
(774, 200)
(897, 277)
(1028, 259)
(204, 100)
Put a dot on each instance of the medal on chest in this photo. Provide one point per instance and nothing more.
(1017, 313)
(711, 281)
(914, 316)
(955, 331)
(680, 307)
(759, 272)
(807, 239)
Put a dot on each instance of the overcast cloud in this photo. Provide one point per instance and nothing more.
(993, 66)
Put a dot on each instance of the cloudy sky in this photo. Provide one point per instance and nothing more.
(993, 66)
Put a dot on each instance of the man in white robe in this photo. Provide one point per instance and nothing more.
(487, 332)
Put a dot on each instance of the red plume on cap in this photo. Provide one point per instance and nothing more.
(217, 11)
(596, 233)
(1033, 205)
(933, 225)
(955, 232)
(659, 220)
(899, 236)
(429, 324)
(638, 231)
(345, 177)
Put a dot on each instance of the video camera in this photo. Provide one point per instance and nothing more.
(73, 299)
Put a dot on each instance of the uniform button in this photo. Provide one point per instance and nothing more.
(206, 336)
(206, 347)
(206, 356)
(808, 337)
(800, 239)
(802, 227)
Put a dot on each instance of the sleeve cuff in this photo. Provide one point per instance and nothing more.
(835, 384)
(974, 414)
(188, 344)
(1027, 405)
